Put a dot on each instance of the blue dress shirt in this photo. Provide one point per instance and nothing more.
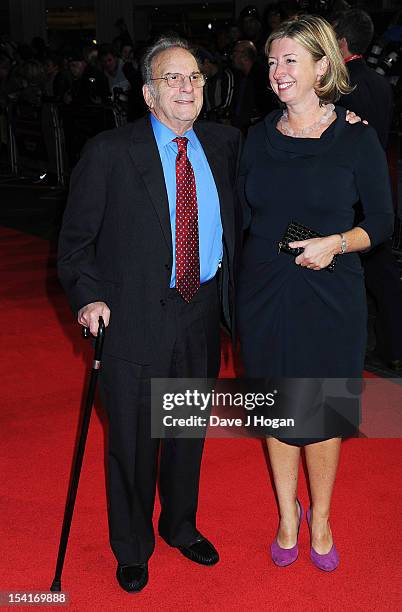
(209, 216)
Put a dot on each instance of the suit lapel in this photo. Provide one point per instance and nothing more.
(145, 156)
(213, 152)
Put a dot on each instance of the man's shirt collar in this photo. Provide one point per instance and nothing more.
(165, 135)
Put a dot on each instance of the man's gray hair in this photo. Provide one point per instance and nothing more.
(162, 44)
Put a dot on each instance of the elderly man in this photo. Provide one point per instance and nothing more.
(148, 243)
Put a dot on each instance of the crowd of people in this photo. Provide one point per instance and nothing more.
(91, 75)
(97, 87)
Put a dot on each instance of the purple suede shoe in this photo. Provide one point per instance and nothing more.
(286, 556)
(328, 562)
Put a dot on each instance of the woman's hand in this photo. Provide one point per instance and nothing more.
(351, 117)
(318, 252)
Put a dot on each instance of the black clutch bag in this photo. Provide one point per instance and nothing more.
(297, 231)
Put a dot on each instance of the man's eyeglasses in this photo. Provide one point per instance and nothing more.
(175, 79)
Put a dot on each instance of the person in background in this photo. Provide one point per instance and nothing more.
(251, 26)
(124, 37)
(127, 54)
(58, 80)
(273, 17)
(125, 82)
(33, 79)
(234, 33)
(113, 68)
(90, 54)
(7, 46)
(251, 97)
(221, 45)
(372, 94)
(9, 82)
(89, 85)
(277, 12)
(372, 98)
(82, 112)
(218, 90)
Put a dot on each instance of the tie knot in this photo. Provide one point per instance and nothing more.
(181, 143)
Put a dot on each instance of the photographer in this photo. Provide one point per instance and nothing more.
(89, 85)
(125, 83)
(113, 68)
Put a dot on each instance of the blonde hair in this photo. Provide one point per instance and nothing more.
(319, 39)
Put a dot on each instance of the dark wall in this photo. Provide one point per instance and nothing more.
(73, 3)
(4, 17)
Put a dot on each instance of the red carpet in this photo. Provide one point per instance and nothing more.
(43, 367)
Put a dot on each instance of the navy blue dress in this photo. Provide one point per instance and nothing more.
(296, 322)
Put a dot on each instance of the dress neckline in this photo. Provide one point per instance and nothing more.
(290, 144)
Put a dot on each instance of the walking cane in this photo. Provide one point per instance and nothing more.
(77, 462)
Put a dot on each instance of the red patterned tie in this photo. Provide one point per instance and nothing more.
(187, 246)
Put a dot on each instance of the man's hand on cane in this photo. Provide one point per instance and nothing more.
(89, 316)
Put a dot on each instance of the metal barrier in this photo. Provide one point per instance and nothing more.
(49, 138)
(62, 175)
(35, 142)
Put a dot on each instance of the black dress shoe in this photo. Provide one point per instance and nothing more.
(201, 551)
(132, 578)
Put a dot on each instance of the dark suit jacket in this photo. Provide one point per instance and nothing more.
(372, 98)
(115, 244)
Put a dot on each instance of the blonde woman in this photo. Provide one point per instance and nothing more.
(306, 164)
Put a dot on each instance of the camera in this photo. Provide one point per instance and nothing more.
(119, 96)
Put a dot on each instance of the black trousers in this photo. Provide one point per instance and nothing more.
(189, 347)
